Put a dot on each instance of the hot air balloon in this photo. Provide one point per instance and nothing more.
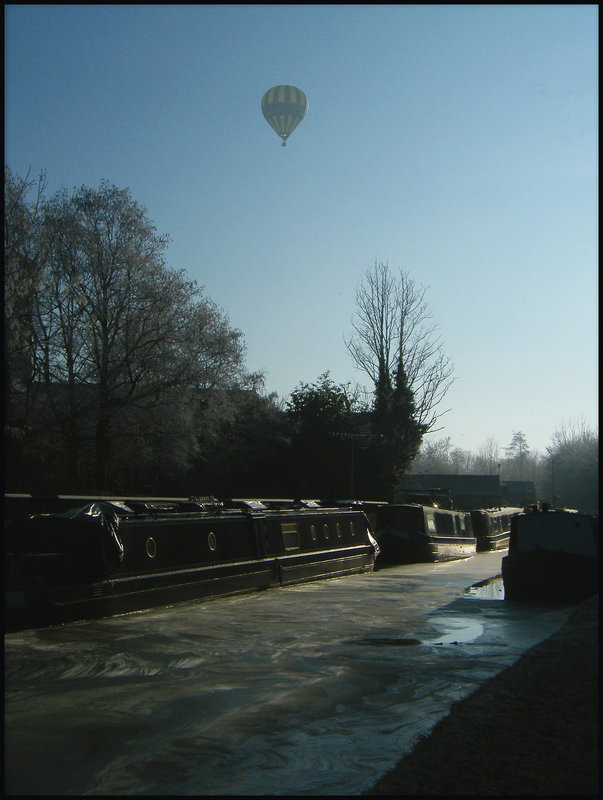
(284, 107)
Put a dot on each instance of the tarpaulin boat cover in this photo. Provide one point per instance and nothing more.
(85, 539)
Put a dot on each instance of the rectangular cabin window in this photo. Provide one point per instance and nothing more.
(408, 519)
(444, 524)
(290, 535)
(431, 526)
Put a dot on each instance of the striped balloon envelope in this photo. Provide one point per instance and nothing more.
(284, 107)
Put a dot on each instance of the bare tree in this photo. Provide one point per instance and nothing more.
(22, 268)
(461, 461)
(434, 456)
(574, 465)
(487, 460)
(122, 351)
(393, 329)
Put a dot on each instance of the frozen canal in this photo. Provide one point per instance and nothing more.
(312, 689)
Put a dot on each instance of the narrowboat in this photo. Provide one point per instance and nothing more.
(408, 533)
(553, 557)
(110, 556)
(492, 527)
(369, 507)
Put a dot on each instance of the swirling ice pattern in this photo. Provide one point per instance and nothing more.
(316, 689)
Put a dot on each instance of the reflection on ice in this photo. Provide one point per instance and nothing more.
(490, 589)
(457, 630)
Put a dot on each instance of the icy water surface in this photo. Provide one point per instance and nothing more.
(312, 689)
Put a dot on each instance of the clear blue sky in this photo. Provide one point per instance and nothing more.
(457, 142)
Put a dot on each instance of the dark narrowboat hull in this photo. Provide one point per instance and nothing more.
(42, 606)
(407, 547)
(109, 564)
(411, 532)
(498, 541)
(553, 557)
(546, 576)
(492, 527)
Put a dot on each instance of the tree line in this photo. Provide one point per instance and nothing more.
(565, 474)
(118, 371)
(122, 376)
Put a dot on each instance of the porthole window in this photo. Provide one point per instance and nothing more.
(338, 530)
(325, 530)
(151, 547)
(211, 541)
(352, 528)
(313, 533)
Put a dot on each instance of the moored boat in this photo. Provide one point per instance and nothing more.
(492, 527)
(412, 532)
(553, 557)
(110, 556)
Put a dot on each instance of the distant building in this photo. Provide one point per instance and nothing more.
(465, 491)
(519, 493)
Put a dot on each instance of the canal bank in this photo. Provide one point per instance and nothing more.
(533, 729)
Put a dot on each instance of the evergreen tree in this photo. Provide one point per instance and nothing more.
(517, 452)
(397, 433)
(323, 426)
(407, 429)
